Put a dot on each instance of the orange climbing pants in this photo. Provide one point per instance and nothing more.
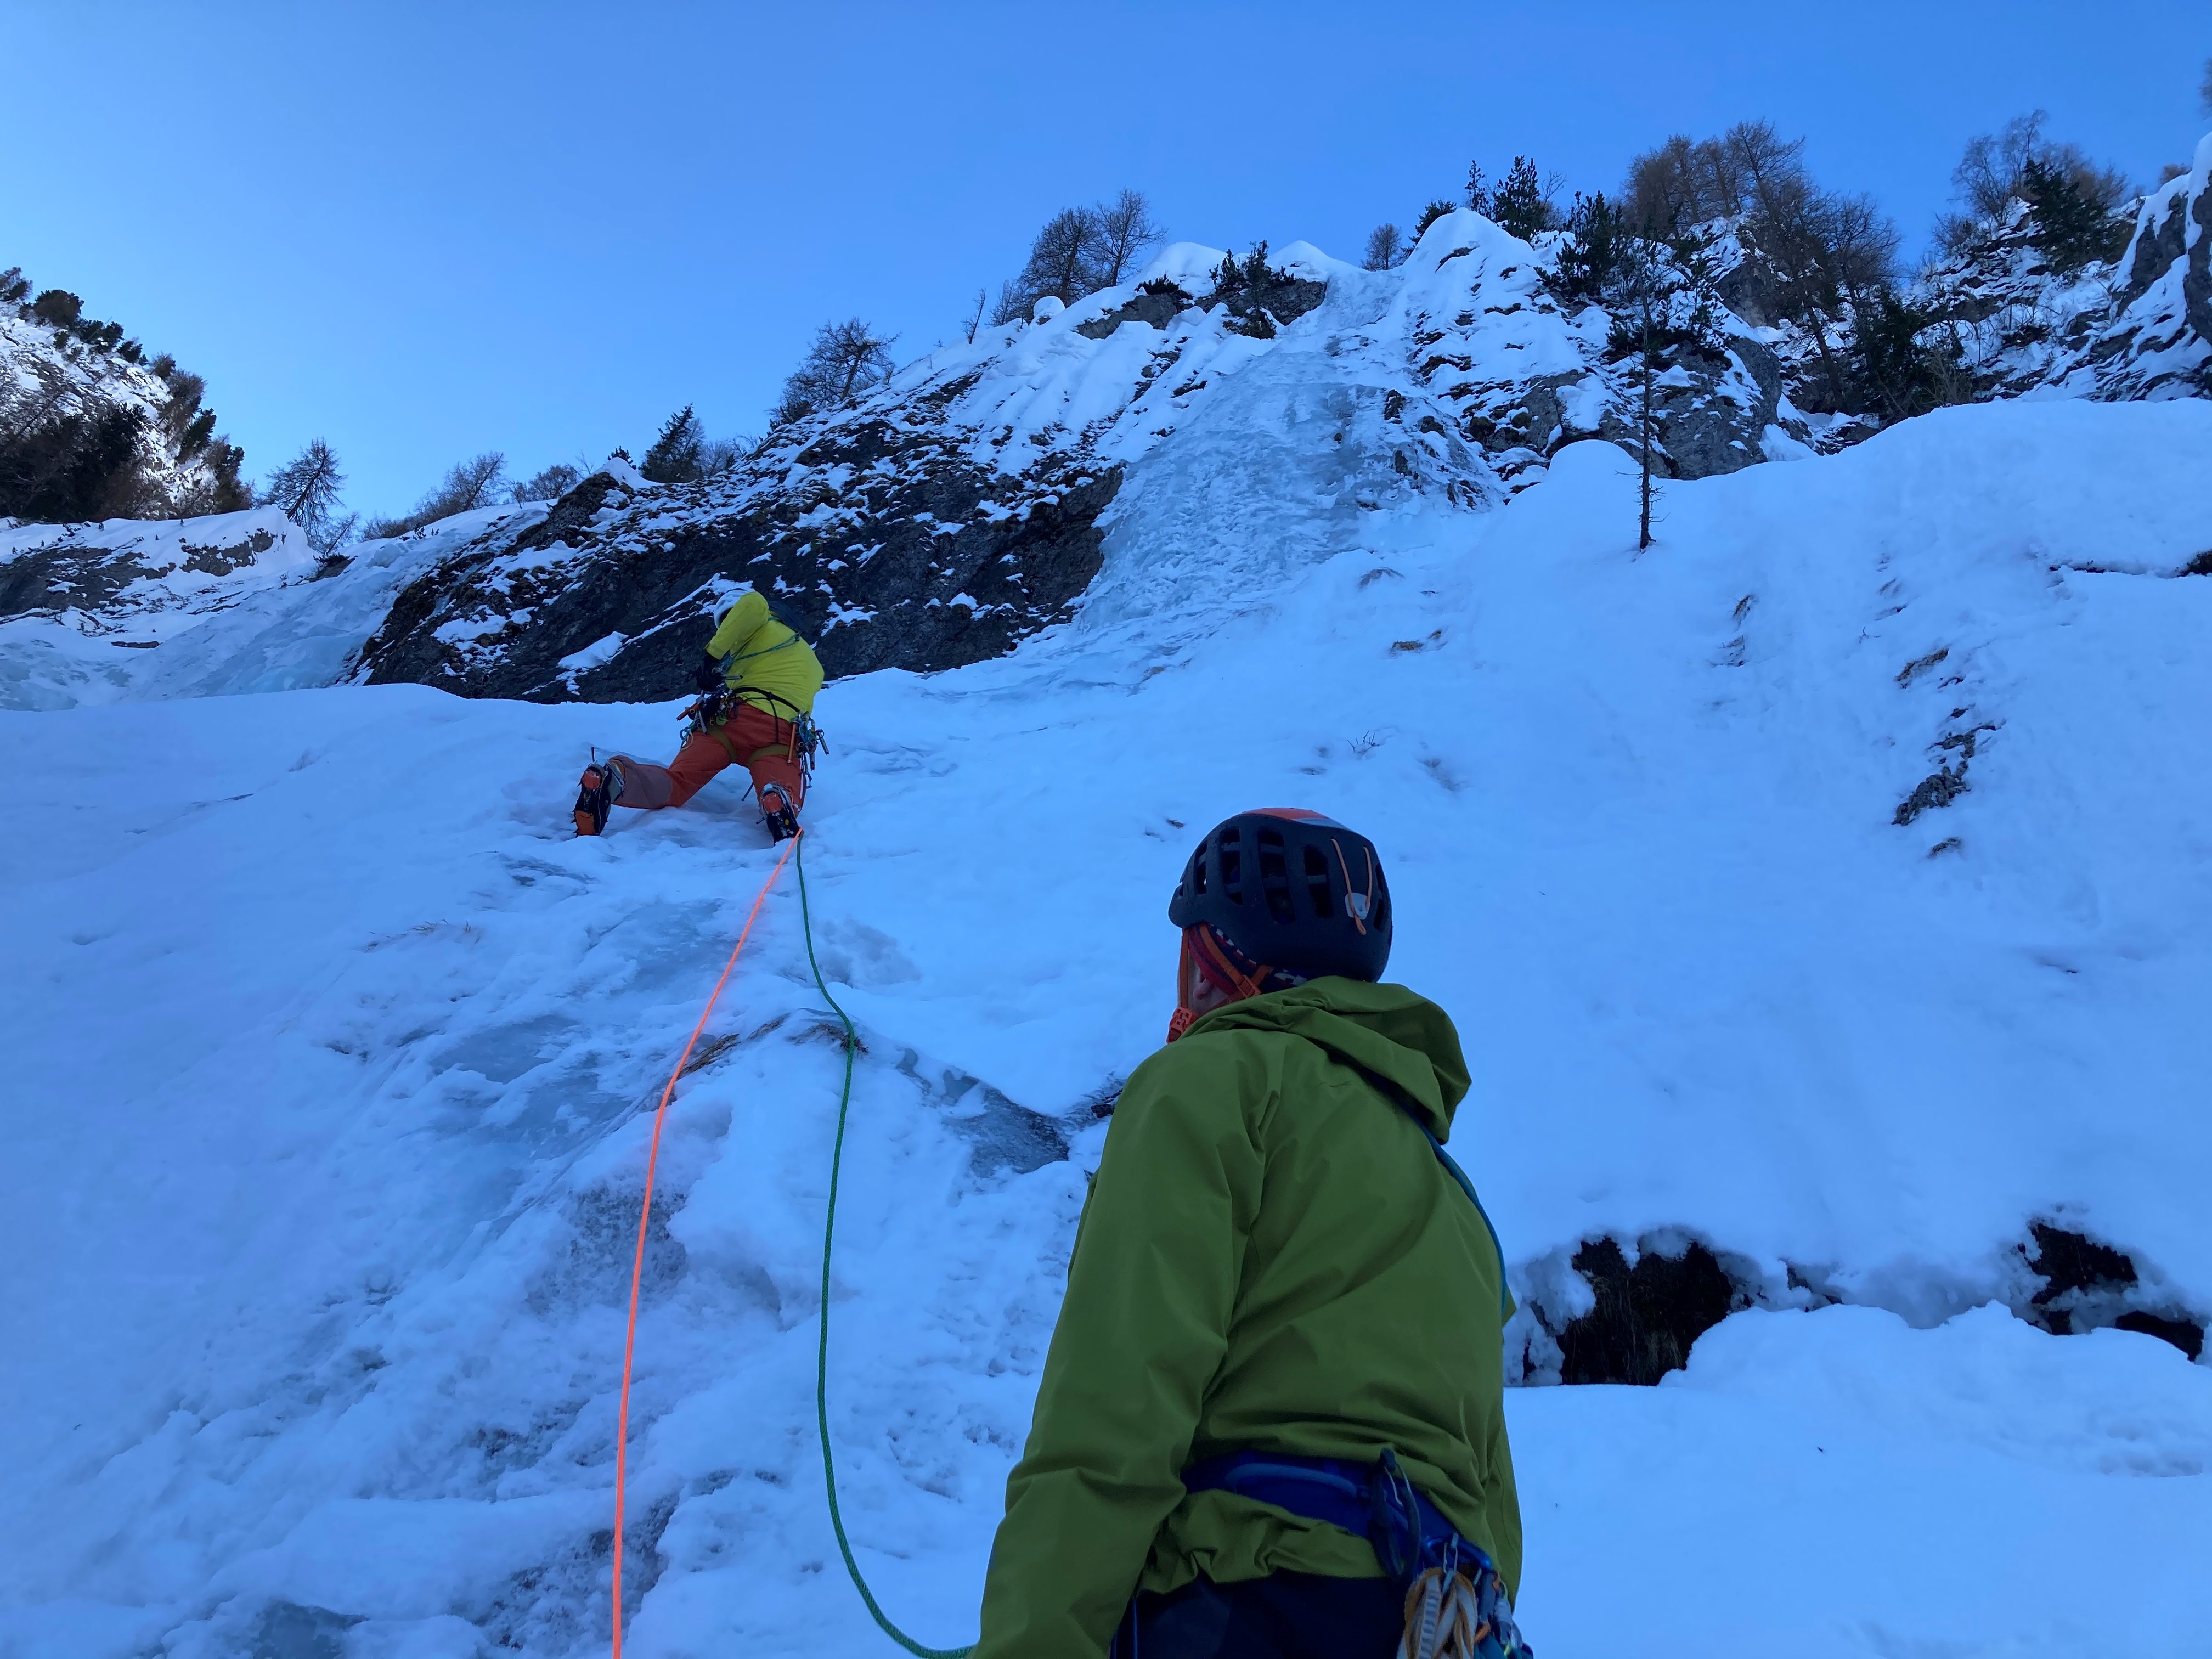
(751, 738)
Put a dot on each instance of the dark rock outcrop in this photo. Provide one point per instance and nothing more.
(1647, 1316)
(876, 537)
(2087, 1286)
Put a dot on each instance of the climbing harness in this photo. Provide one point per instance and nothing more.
(1457, 1607)
(645, 1215)
(705, 718)
(822, 1353)
(797, 739)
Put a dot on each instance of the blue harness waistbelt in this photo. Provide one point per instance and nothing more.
(1374, 1501)
(1411, 1536)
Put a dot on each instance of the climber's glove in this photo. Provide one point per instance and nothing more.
(707, 677)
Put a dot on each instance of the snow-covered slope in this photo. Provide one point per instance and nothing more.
(130, 610)
(85, 418)
(333, 1061)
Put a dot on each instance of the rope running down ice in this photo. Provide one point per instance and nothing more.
(644, 1216)
(822, 1356)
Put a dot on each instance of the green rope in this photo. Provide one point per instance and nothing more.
(821, 1355)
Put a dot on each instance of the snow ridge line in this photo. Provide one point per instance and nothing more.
(645, 1214)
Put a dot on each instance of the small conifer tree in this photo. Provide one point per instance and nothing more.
(2070, 230)
(1384, 249)
(1434, 211)
(674, 456)
(305, 490)
(1518, 205)
(1898, 373)
(1596, 235)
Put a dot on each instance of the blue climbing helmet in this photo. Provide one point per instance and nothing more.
(1291, 891)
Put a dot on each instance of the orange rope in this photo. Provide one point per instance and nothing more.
(645, 1213)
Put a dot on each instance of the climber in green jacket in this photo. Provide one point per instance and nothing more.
(1272, 1421)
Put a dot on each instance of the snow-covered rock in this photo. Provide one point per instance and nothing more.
(133, 610)
(2134, 326)
(972, 502)
(968, 503)
(85, 371)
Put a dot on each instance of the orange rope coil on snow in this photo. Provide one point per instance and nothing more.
(645, 1214)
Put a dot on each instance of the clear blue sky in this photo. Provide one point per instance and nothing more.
(423, 231)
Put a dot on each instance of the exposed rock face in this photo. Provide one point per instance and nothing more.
(2086, 1286)
(1613, 1314)
(1647, 1317)
(2136, 326)
(71, 575)
(933, 523)
(1524, 372)
(888, 550)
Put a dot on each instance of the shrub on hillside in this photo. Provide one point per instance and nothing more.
(1993, 173)
(549, 484)
(1080, 250)
(846, 359)
(1384, 247)
(1596, 234)
(2071, 229)
(1900, 370)
(72, 466)
(185, 389)
(476, 482)
(56, 307)
(1429, 215)
(1519, 204)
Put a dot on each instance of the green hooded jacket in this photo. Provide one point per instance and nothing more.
(1272, 1257)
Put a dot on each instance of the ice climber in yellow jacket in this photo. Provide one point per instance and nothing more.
(759, 681)
(1272, 1419)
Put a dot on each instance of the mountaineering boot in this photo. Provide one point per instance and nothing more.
(601, 787)
(776, 810)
